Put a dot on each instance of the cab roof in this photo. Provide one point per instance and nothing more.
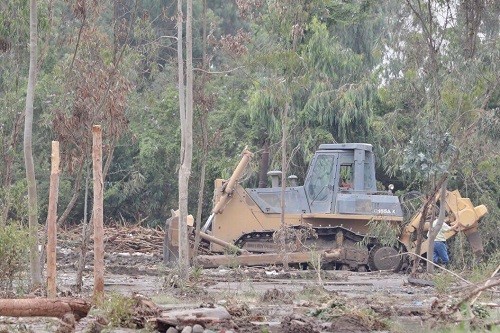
(346, 146)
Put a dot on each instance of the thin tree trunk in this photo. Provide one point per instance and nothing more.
(85, 237)
(51, 222)
(35, 269)
(264, 164)
(204, 129)
(188, 137)
(74, 197)
(420, 228)
(98, 214)
(284, 167)
(201, 192)
(183, 171)
(109, 157)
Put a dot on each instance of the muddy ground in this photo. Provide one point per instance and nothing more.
(263, 299)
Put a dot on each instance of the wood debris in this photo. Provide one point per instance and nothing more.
(131, 239)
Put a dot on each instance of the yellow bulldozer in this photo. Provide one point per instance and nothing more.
(329, 217)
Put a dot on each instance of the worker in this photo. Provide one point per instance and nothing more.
(440, 248)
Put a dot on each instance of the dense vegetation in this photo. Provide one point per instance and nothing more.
(417, 79)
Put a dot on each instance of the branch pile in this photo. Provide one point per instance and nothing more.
(466, 299)
(134, 238)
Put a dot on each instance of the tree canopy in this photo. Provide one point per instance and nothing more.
(417, 79)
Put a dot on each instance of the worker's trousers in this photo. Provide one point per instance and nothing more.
(440, 253)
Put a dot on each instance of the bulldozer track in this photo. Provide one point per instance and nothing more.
(327, 233)
(379, 257)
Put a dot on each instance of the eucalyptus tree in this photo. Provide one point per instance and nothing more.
(35, 268)
(186, 121)
(14, 62)
(437, 95)
(314, 59)
(93, 82)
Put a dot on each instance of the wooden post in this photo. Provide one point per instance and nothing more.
(98, 213)
(51, 221)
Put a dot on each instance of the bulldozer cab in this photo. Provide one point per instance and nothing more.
(340, 180)
(337, 169)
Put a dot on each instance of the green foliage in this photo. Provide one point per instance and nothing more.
(480, 311)
(483, 271)
(349, 71)
(386, 233)
(16, 197)
(443, 282)
(334, 308)
(339, 97)
(428, 155)
(118, 310)
(14, 250)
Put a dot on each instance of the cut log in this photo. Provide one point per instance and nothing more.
(212, 261)
(44, 307)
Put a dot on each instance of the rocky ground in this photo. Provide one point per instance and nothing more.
(144, 296)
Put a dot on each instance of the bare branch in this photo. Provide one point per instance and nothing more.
(219, 72)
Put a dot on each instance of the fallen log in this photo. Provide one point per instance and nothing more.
(44, 307)
(212, 261)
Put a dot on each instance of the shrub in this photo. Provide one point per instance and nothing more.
(14, 254)
(118, 310)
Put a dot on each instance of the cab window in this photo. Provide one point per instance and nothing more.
(346, 177)
(320, 178)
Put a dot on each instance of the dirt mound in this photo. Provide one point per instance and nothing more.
(296, 323)
(272, 295)
(356, 322)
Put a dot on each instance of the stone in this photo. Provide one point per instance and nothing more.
(187, 329)
(197, 328)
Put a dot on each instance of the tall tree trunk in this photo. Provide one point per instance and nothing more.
(188, 158)
(74, 196)
(85, 236)
(284, 167)
(472, 12)
(35, 269)
(264, 164)
(420, 229)
(204, 129)
(186, 111)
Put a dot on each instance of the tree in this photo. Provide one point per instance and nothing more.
(186, 119)
(98, 93)
(35, 269)
(433, 104)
